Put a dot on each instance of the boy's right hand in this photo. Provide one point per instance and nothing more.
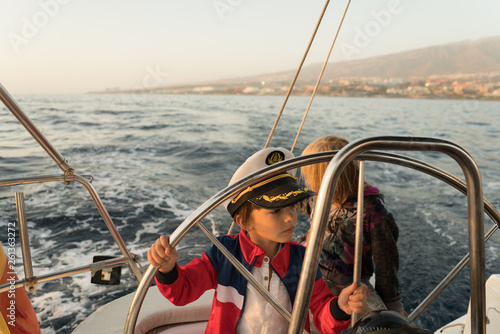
(162, 256)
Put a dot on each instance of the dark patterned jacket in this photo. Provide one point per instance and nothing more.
(380, 251)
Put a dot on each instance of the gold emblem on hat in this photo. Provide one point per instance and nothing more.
(275, 157)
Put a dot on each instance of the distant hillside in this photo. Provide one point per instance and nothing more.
(480, 56)
(474, 60)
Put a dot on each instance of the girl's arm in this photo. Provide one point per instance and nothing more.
(384, 237)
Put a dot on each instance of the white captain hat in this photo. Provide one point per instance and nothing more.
(276, 192)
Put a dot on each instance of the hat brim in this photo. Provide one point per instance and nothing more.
(277, 194)
(282, 196)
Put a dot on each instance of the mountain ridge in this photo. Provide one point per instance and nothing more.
(465, 57)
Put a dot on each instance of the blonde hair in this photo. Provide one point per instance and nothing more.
(313, 174)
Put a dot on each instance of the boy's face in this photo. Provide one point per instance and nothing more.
(265, 226)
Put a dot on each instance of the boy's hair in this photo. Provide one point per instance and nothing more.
(313, 174)
(244, 211)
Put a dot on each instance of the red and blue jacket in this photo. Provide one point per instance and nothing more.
(186, 284)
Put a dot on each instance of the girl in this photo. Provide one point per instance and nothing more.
(380, 232)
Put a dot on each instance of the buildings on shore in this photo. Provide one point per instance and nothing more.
(472, 86)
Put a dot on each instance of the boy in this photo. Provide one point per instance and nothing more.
(267, 217)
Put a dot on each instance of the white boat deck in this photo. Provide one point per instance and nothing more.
(157, 316)
(462, 324)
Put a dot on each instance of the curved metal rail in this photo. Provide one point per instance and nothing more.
(16, 110)
(128, 258)
(325, 197)
(67, 178)
(392, 143)
(356, 150)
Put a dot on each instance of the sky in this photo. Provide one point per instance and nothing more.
(78, 46)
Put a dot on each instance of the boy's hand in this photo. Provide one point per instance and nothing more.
(353, 299)
(162, 256)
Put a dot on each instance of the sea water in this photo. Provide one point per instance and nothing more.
(156, 158)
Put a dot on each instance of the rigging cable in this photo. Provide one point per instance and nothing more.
(320, 76)
(297, 73)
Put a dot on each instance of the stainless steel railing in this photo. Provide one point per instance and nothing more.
(28, 124)
(68, 177)
(391, 143)
(325, 197)
(362, 150)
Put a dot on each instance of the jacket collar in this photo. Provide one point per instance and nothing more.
(251, 252)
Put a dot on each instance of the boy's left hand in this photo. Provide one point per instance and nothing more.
(353, 299)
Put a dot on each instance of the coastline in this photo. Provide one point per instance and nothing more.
(472, 86)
